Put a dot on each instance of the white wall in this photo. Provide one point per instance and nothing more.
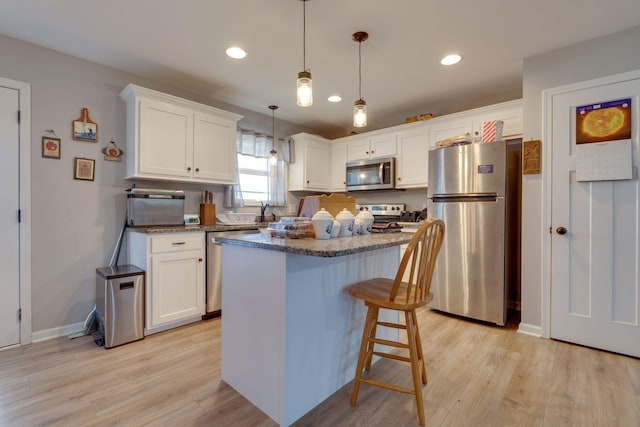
(600, 57)
(75, 224)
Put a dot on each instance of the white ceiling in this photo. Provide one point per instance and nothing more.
(182, 43)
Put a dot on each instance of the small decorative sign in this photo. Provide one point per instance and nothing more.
(84, 129)
(112, 153)
(50, 147)
(531, 157)
(84, 169)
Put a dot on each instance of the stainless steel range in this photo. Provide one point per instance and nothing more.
(382, 213)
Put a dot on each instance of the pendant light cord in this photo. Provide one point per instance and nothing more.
(359, 70)
(304, 35)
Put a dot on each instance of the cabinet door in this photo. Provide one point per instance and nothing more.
(511, 116)
(445, 129)
(358, 149)
(412, 168)
(317, 162)
(338, 168)
(384, 146)
(177, 289)
(214, 149)
(166, 140)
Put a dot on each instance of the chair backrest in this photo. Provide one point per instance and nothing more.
(420, 258)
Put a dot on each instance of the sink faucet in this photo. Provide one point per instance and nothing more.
(263, 207)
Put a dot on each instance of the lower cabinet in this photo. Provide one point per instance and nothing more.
(175, 277)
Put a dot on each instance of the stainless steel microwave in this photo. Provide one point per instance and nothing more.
(374, 174)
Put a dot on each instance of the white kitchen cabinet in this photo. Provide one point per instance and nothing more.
(173, 139)
(311, 170)
(371, 147)
(509, 112)
(445, 128)
(412, 160)
(175, 277)
(338, 166)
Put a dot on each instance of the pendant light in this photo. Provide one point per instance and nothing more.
(304, 93)
(274, 154)
(360, 106)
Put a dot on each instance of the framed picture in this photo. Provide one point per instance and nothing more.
(50, 147)
(84, 129)
(84, 169)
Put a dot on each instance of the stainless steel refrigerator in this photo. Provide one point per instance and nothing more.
(475, 189)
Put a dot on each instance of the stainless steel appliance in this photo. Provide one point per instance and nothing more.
(120, 304)
(214, 269)
(475, 189)
(385, 212)
(374, 174)
(147, 207)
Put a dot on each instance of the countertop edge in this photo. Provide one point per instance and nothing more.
(293, 246)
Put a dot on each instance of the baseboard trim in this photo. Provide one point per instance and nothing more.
(527, 329)
(60, 331)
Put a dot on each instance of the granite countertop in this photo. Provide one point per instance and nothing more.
(321, 248)
(188, 228)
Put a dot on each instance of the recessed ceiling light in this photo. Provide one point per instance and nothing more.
(236, 52)
(335, 98)
(451, 59)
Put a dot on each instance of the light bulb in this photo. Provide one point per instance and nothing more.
(304, 92)
(273, 160)
(360, 113)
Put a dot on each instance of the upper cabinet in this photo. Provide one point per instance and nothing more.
(413, 155)
(311, 170)
(371, 147)
(444, 128)
(173, 139)
(338, 166)
(509, 112)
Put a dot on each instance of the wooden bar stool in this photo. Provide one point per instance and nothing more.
(406, 297)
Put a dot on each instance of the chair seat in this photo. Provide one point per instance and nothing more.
(377, 290)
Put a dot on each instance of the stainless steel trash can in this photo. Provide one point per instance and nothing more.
(120, 304)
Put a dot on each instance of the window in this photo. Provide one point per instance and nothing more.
(253, 174)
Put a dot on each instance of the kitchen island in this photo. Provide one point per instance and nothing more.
(290, 334)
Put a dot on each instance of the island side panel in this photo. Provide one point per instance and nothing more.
(324, 324)
(253, 325)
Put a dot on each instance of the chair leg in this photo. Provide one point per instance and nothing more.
(372, 336)
(368, 324)
(415, 367)
(419, 347)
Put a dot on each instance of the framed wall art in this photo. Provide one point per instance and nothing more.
(50, 147)
(84, 129)
(84, 169)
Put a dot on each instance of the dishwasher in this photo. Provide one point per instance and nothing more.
(214, 269)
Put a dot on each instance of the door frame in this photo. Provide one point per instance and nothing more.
(24, 99)
(547, 182)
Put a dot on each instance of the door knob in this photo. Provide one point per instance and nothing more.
(561, 231)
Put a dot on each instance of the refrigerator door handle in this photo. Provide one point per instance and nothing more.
(471, 197)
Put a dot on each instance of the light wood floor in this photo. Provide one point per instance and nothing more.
(479, 375)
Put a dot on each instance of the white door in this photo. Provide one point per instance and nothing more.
(595, 263)
(9, 227)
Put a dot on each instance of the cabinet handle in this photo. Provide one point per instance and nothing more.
(189, 168)
(197, 169)
(399, 179)
(179, 243)
(372, 151)
(199, 259)
(344, 182)
(366, 152)
(307, 181)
